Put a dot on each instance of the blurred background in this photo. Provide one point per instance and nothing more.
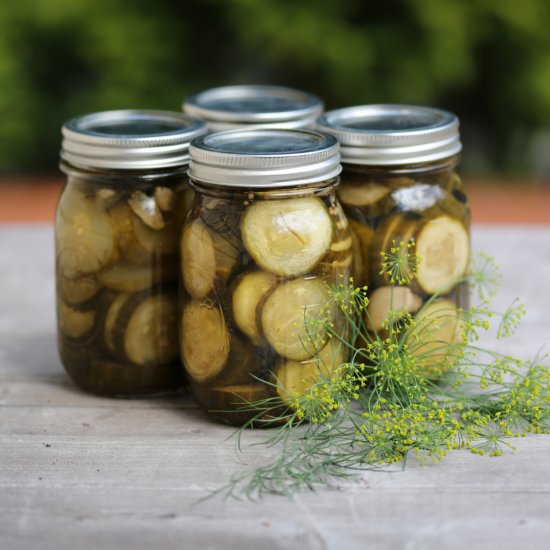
(488, 61)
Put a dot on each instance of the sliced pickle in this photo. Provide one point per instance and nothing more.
(359, 272)
(112, 319)
(205, 340)
(74, 323)
(287, 237)
(342, 245)
(79, 289)
(444, 247)
(338, 261)
(151, 335)
(84, 236)
(396, 299)
(362, 194)
(362, 234)
(248, 294)
(137, 242)
(438, 326)
(295, 378)
(165, 199)
(146, 209)
(227, 255)
(291, 318)
(128, 278)
(198, 259)
(163, 241)
(400, 227)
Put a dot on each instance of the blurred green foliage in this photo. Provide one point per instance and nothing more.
(486, 60)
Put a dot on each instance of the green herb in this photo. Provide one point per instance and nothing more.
(404, 390)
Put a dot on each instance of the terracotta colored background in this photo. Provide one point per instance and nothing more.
(34, 199)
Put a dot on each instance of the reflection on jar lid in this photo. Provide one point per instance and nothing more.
(129, 139)
(392, 134)
(264, 158)
(232, 107)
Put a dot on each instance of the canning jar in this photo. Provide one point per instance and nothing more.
(232, 107)
(265, 240)
(117, 256)
(399, 185)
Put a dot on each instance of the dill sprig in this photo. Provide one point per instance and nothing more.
(403, 390)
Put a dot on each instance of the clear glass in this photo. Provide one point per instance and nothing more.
(421, 203)
(257, 266)
(117, 265)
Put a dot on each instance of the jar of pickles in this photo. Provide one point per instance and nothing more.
(232, 107)
(399, 185)
(265, 240)
(116, 235)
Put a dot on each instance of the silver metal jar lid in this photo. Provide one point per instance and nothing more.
(232, 107)
(382, 135)
(129, 139)
(264, 158)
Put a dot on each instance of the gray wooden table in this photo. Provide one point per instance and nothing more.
(78, 471)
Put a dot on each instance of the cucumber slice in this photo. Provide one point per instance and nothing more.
(137, 242)
(248, 294)
(146, 209)
(112, 320)
(362, 194)
(359, 272)
(76, 290)
(74, 323)
(363, 234)
(287, 237)
(198, 259)
(399, 299)
(444, 247)
(165, 199)
(84, 235)
(127, 278)
(295, 378)
(205, 341)
(438, 326)
(151, 336)
(400, 227)
(289, 314)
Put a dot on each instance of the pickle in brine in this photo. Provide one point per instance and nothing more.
(142, 329)
(438, 328)
(249, 292)
(443, 245)
(294, 315)
(74, 323)
(295, 378)
(84, 235)
(205, 340)
(390, 301)
(287, 237)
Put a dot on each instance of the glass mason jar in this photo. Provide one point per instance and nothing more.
(116, 237)
(233, 107)
(264, 240)
(399, 185)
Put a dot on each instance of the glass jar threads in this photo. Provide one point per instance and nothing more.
(117, 255)
(265, 239)
(399, 185)
(232, 107)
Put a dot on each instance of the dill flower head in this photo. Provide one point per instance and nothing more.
(400, 262)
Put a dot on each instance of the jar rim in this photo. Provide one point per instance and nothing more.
(388, 134)
(229, 107)
(129, 139)
(264, 158)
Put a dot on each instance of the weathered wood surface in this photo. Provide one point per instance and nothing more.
(77, 471)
